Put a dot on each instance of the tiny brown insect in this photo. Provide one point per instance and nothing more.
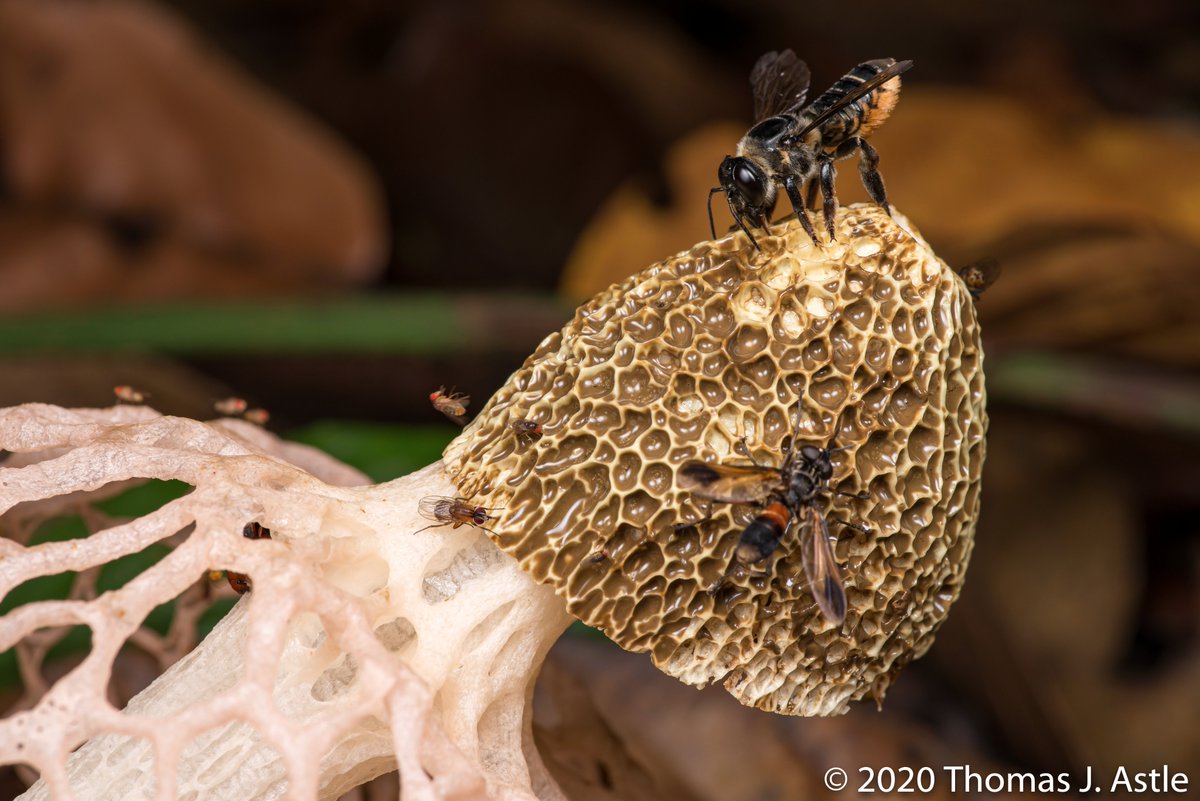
(230, 407)
(447, 511)
(452, 404)
(257, 416)
(240, 581)
(979, 275)
(527, 431)
(126, 393)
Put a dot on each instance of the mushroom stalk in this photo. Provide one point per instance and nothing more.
(398, 649)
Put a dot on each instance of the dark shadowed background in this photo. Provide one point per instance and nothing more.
(330, 209)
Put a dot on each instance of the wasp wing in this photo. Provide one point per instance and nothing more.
(855, 94)
(824, 575)
(728, 483)
(780, 84)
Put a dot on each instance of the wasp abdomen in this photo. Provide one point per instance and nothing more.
(761, 537)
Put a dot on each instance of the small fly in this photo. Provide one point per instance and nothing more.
(240, 582)
(128, 394)
(230, 407)
(979, 275)
(527, 431)
(455, 512)
(452, 404)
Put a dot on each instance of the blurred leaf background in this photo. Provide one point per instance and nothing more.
(332, 209)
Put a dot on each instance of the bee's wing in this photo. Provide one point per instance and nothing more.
(728, 483)
(857, 93)
(824, 576)
(780, 84)
(435, 507)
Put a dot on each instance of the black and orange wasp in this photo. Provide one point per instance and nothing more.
(785, 495)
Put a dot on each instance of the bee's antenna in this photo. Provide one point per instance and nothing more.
(712, 228)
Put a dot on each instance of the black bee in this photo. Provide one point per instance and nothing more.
(794, 147)
(979, 275)
(785, 494)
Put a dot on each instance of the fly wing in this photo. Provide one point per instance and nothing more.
(780, 84)
(435, 507)
(824, 575)
(728, 483)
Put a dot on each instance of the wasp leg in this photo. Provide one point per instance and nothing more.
(793, 193)
(746, 448)
(868, 168)
(678, 527)
(829, 205)
(856, 526)
(716, 586)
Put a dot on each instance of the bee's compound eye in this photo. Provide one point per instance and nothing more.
(751, 182)
(480, 517)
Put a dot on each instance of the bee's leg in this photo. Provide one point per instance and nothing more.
(793, 193)
(737, 217)
(829, 205)
(868, 168)
(811, 200)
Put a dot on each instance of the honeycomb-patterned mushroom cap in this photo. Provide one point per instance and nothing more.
(870, 343)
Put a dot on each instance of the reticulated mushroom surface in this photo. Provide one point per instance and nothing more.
(870, 344)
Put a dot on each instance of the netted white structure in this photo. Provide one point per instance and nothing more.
(362, 648)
